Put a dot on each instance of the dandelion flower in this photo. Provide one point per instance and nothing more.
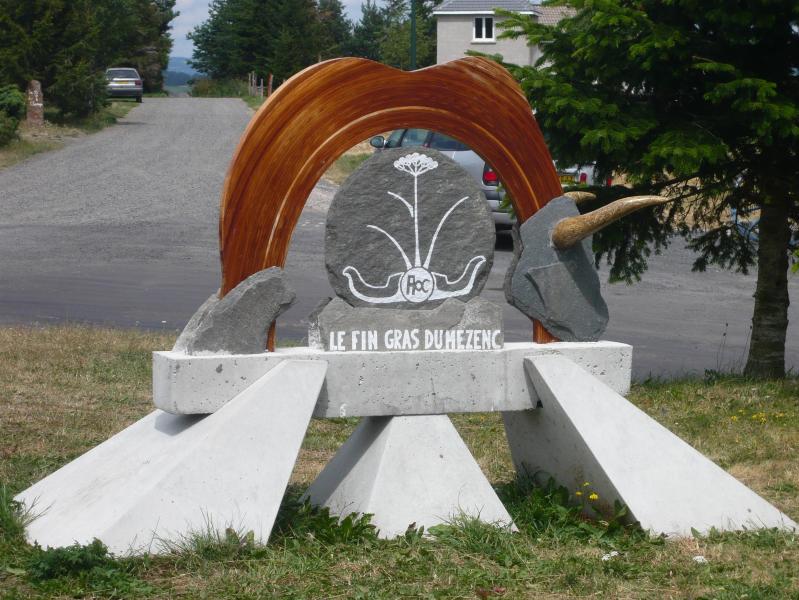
(586, 484)
(593, 496)
(578, 493)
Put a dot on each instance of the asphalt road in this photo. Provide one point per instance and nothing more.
(120, 228)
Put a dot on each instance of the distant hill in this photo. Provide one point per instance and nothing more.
(177, 78)
(180, 64)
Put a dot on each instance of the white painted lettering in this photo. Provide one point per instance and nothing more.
(450, 339)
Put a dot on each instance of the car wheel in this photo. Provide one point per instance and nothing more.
(138, 99)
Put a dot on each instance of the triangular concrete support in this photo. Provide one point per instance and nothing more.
(584, 431)
(407, 470)
(167, 476)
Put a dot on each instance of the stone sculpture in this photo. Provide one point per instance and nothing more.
(423, 231)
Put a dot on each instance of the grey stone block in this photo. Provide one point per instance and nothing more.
(239, 322)
(407, 470)
(560, 288)
(337, 316)
(372, 252)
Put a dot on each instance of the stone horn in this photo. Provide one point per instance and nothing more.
(571, 230)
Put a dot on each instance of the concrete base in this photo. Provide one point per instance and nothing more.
(407, 470)
(374, 384)
(585, 431)
(168, 476)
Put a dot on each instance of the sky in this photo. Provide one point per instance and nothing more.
(194, 12)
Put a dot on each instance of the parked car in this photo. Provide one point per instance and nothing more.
(749, 227)
(124, 83)
(579, 175)
(475, 166)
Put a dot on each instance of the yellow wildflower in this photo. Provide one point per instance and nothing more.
(586, 484)
(578, 493)
(734, 417)
(593, 496)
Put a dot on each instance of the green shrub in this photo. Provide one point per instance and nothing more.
(78, 89)
(219, 88)
(12, 109)
(8, 128)
(12, 102)
(57, 562)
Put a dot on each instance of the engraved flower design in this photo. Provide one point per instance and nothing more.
(415, 164)
(417, 283)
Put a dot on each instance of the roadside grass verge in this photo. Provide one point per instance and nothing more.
(57, 130)
(345, 165)
(65, 389)
(224, 88)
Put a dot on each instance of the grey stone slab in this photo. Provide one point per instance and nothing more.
(407, 470)
(408, 229)
(560, 288)
(239, 322)
(586, 432)
(361, 384)
(167, 477)
(453, 325)
(35, 115)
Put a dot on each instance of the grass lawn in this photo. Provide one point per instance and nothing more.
(57, 130)
(65, 389)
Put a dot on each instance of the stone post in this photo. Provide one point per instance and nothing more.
(35, 114)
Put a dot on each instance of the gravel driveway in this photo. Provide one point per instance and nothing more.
(120, 228)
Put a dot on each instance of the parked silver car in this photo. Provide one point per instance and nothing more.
(124, 83)
(477, 167)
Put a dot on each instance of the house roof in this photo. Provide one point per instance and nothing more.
(548, 15)
(466, 6)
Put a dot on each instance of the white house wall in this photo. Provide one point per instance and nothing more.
(454, 38)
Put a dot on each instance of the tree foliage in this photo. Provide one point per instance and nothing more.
(284, 36)
(693, 100)
(67, 44)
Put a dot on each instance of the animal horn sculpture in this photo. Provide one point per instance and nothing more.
(571, 230)
(553, 279)
(580, 197)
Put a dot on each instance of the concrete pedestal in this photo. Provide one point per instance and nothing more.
(585, 431)
(168, 476)
(407, 470)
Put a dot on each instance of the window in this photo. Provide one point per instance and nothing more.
(484, 29)
(414, 137)
(394, 138)
(439, 141)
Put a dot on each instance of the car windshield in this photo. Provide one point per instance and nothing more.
(439, 141)
(121, 74)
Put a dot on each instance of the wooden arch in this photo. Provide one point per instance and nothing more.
(321, 112)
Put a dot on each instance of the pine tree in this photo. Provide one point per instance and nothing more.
(298, 43)
(368, 32)
(335, 29)
(695, 101)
